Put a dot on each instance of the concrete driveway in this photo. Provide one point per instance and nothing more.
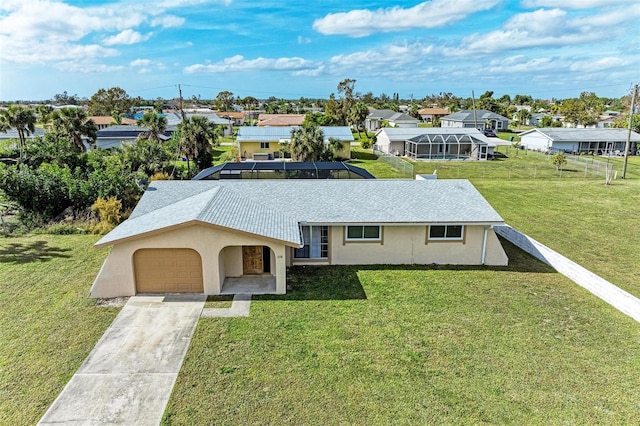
(127, 378)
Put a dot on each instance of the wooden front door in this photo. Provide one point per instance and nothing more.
(252, 260)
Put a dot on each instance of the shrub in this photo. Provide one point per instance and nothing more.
(365, 143)
(230, 155)
(60, 229)
(109, 210)
(161, 176)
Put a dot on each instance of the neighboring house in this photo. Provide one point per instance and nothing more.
(204, 236)
(284, 170)
(377, 117)
(13, 134)
(264, 143)
(429, 115)
(536, 118)
(114, 136)
(435, 143)
(605, 121)
(103, 121)
(595, 141)
(280, 120)
(480, 119)
(237, 118)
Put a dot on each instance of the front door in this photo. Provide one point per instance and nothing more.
(252, 260)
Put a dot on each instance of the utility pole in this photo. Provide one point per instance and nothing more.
(181, 109)
(473, 103)
(627, 146)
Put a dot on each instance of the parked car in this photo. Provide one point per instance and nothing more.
(489, 133)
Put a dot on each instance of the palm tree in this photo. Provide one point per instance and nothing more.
(357, 114)
(523, 116)
(155, 125)
(307, 143)
(74, 124)
(116, 117)
(197, 137)
(22, 119)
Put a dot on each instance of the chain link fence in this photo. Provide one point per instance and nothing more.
(401, 165)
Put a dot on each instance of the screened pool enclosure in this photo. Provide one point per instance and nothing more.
(446, 147)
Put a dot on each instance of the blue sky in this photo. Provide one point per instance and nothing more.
(293, 48)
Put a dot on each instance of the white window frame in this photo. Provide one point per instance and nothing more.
(319, 242)
(445, 238)
(264, 145)
(363, 238)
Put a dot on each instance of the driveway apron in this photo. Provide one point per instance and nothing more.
(127, 378)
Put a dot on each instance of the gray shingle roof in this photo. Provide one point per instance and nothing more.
(467, 116)
(275, 208)
(390, 115)
(561, 134)
(166, 204)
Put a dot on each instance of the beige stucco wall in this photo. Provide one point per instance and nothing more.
(406, 245)
(117, 278)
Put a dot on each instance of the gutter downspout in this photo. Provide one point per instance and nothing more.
(484, 245)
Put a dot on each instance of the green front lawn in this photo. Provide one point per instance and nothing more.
(47, 326)
(591, 223)
(415, 345)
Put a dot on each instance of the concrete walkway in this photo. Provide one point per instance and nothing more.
(128, 377)
(239, 308)
(616, 297)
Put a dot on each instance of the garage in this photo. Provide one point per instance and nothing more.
(170, 270)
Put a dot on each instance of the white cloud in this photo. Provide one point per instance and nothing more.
(140, 63)
(87, 67)
(549, 28)
(602, 64)
(33, 28)
(574, 4)
(239, 63)
(303, 40)
(126, 37)
(428, 14)
(168, 21)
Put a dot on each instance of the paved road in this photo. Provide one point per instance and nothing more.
(127, 378)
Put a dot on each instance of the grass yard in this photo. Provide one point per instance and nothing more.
(394, 345)
(48, 327)
(591, 223)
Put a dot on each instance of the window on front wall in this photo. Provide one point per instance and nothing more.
(264, 145)
(363, 233)
(316, 243)
(446, 232)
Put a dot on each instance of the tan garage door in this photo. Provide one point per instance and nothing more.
(168, 271)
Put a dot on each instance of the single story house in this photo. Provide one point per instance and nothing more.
(431, 114)
(480, 118)
(536, 118)
(279, 120)
(117, 135)
(609, 140)
(377, 117)
(264, 143)
(210, 236)
(13, 134)
(435, 143)
(103, 121)
(237, 118)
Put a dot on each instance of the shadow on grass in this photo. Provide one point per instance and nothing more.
(341, 282)
(35, 251)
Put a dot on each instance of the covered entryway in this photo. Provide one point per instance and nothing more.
(251, 260)
(168, 270)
